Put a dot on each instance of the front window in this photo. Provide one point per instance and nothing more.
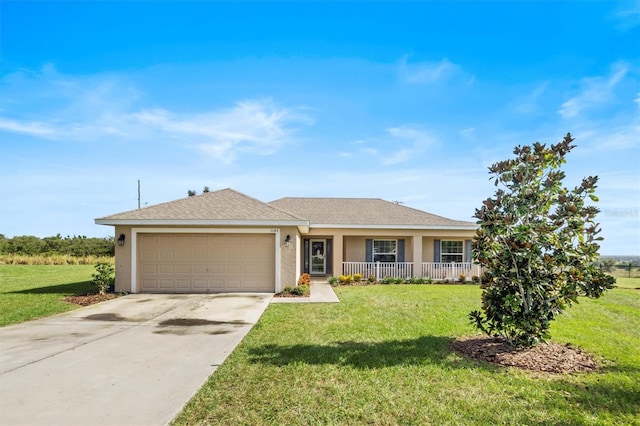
(451, 251)
(384, 250)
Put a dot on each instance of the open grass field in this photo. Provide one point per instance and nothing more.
(623, 282)
(625, 273)
(382, 357)
(34, 291)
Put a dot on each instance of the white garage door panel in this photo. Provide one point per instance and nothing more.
(206, 262)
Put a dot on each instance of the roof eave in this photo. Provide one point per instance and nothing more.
(390, 226)
(199, 222)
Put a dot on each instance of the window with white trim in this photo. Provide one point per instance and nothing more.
(451, 251)
(385, 250)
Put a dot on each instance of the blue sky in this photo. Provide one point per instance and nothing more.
(405, 101)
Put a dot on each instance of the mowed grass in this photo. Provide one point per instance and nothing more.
(624, 282)
(34, 291)
(382, 357)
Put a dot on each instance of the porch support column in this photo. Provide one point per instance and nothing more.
(417, 255)
(337, 255)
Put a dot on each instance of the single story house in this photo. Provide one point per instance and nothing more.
(225, 241)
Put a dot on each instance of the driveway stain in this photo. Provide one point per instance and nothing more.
(104, 317)
(189, 322)
(238, 296)
(184, 326)
(182, 331)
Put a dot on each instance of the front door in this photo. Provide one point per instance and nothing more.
(317, 257)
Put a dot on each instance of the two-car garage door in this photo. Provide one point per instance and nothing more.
(201, 263)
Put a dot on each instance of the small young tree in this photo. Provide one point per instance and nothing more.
(537, 244)
(103, 278)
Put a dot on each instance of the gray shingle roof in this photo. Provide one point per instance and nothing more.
(228, 206)
(363, 211)
(222, 205)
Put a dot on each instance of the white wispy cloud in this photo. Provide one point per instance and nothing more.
(419, 140)
(33, 128)
(98, 108)
(256, 126)
(594, 91)
(398, 144)
(468, 133)
(426, 72)
(529, 103)
(612, 139)
(627, 14)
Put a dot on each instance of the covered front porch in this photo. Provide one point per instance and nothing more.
(390, 253)
(433, 270)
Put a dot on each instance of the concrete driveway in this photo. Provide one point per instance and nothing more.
(135, 360)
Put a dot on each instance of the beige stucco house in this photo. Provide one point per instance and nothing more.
(225, 241)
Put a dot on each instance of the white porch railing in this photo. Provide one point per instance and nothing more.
(378, 269)
(450, 271)
(433, 270)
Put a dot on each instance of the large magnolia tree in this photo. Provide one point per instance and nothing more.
(537, 243)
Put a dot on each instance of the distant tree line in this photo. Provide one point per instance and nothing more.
(78, 246)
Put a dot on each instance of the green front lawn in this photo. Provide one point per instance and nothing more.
(382, 356)
(34, 291)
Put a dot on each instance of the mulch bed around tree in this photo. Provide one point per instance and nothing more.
(545, 357)
(90, 299)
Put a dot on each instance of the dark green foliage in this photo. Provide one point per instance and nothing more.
(537, 243)
(80, 245)
(299, 290)
(103, 278)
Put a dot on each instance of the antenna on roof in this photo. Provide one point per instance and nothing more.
(138, 193)
(397, 202)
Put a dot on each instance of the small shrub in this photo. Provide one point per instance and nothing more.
(345, 279)
(428, 280)
(357, 277)
(305, 279)
(332, 280)
(371, 279)
(103, 278)
(398, 280)
(387, 280)
(475, 279)
(300, 290)
(462, 278)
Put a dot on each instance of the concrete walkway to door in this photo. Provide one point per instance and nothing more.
(135, 360)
